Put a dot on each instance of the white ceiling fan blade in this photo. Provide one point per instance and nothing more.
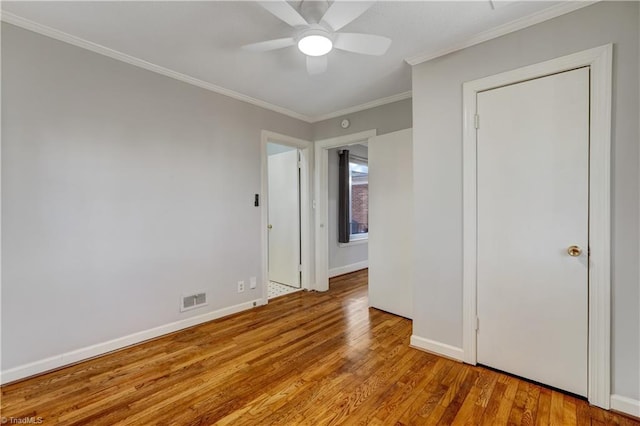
(265, 46)
(316, 64)
(341, 13)
(366, 44)
(284, 11)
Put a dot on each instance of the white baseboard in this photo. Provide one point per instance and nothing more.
(348, 268)
(437, 348)
(625, 405)
(72, 357)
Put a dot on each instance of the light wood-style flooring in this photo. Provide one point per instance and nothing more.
(305, 358)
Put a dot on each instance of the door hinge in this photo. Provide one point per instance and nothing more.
(476, 121)
(299, 164)
(299, 268)
(477, 323)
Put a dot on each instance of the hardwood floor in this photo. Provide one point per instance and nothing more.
(305, 358)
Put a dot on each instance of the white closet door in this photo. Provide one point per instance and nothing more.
(391, 222)
(533, 174)
(284, 218)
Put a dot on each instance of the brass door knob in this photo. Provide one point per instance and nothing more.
(574, 251)
(270, 226)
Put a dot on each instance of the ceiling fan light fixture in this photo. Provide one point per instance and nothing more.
(315, 45)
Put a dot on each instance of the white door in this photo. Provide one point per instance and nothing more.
(390, 222)
(532, 187)
(284, 218)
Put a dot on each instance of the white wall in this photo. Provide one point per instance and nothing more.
(437, 109)
(121, 190)
(355, 253)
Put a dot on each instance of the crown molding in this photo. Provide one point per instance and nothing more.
(518, 24)
(27, 24)
(362, 107)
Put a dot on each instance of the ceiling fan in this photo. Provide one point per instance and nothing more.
(317, 37)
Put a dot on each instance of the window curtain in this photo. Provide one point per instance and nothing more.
(343, 196)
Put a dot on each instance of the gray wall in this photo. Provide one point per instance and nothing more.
(386, 118)
(121, 190)
(437, 110)
(346, 255)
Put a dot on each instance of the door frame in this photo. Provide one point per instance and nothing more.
(322, 148)
(306, 219)
(599, 60)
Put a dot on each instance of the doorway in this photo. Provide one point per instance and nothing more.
(496, 248)
(286, 214)
(283, 185)
(322, 148)
(348, 215)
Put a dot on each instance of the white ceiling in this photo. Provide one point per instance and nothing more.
(203, 40)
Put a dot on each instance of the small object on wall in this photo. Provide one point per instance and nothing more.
(256, 200)
(345, 123)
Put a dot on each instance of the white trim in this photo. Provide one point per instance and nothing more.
(516, 25)
(437, 348)
(1, 150)
(347, 269)
(362, 107)
(27, 24)
(357, 242)
(321, 177)
(72, 357)
(625, 405)
(497, 4)
(131, 60)
(306, 214)
(599, 60)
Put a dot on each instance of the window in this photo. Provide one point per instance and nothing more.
(358, 198)
(353, 197)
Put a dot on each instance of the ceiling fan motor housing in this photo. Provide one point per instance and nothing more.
(313, 11)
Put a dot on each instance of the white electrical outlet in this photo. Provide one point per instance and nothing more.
(253, 282)
(240, 286)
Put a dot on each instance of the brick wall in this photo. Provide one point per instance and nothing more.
(360, 206)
